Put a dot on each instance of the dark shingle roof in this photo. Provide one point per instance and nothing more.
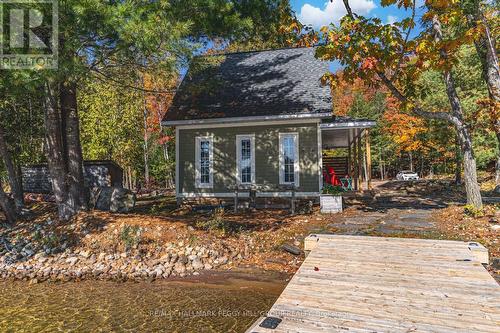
(262, 83)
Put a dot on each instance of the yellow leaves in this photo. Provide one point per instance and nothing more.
(473, 34)
(491, 110)
(440, 4)
(428, 16)
(451, 45)
(424, 46)
(329, 79)
(403, 128)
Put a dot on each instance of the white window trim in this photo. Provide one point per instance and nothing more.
(198, 162)
(239, 138)
(296, 167)
(320, 158)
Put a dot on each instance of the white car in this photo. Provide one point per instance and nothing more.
(407, 175)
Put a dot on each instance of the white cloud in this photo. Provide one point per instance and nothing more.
(391, 19)
(332, 12)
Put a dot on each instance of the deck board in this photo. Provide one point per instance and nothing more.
(375, 284)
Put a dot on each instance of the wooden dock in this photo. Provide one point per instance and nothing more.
(375, 284)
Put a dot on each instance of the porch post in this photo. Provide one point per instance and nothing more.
(360, 163)
(349, 154)
(368, 160)
(355, 160)
(320, 158)
(177, 166)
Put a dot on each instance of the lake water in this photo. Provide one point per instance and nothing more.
(216, 303)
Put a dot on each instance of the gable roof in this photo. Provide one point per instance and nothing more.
(273, 84)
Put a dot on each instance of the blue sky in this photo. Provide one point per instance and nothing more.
(322, 12)
(318, 13)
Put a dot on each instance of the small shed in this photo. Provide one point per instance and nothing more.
(36, 178)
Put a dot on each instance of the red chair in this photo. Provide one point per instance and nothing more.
(326, 178)
(334, 180)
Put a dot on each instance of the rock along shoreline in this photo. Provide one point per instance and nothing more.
(176, 261)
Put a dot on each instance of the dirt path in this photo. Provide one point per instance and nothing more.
(391, 222)
(394, 208)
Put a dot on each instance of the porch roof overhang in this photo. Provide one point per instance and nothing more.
(339, 134)
(350, 124)
(231, 120)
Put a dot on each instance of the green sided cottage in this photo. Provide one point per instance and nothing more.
(257, 124)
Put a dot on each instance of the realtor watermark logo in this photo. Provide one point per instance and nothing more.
(28, 34)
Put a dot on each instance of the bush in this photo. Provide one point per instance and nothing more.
(49, 240)
(216, 222)
(333, 190)
(130, 236)
(472, 211)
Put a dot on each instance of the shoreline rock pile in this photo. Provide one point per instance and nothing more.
(176, 260)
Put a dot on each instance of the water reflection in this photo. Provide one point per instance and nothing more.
(220, 305)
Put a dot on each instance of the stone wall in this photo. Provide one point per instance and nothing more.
(36, 178)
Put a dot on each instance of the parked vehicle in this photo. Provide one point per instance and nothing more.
(407, 175)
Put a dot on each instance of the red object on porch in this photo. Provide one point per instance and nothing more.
(333, 179)
(339, 164)
(326, 179)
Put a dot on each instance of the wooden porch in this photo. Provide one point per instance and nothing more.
(354, 139)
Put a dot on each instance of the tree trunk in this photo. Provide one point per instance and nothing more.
(146, 138)
(487, 52)
(410, 156)
(77, 193)
(168, 175)
(8, 207)
(381, 166)
(486, 49)
(125, 179)
(14, 177)
(497, 166)
(55, 155)
(458, 164)
(470, 172)
(422, 163)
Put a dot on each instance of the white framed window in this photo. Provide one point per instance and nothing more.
(289, 159)
(204, 161)
(245, 159)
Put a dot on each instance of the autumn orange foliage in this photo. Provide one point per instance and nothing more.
(158, 100)
(403, 128)
(344, 92)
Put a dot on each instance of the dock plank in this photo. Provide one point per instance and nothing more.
(378, 284)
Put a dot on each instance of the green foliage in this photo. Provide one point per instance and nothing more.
(21, 116)
(130, 236)
(333, 190)
(216, 222)
(472, 211)
(49, 240)
(431, 94)
(111, 123)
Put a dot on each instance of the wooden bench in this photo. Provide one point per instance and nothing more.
(252, 191)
